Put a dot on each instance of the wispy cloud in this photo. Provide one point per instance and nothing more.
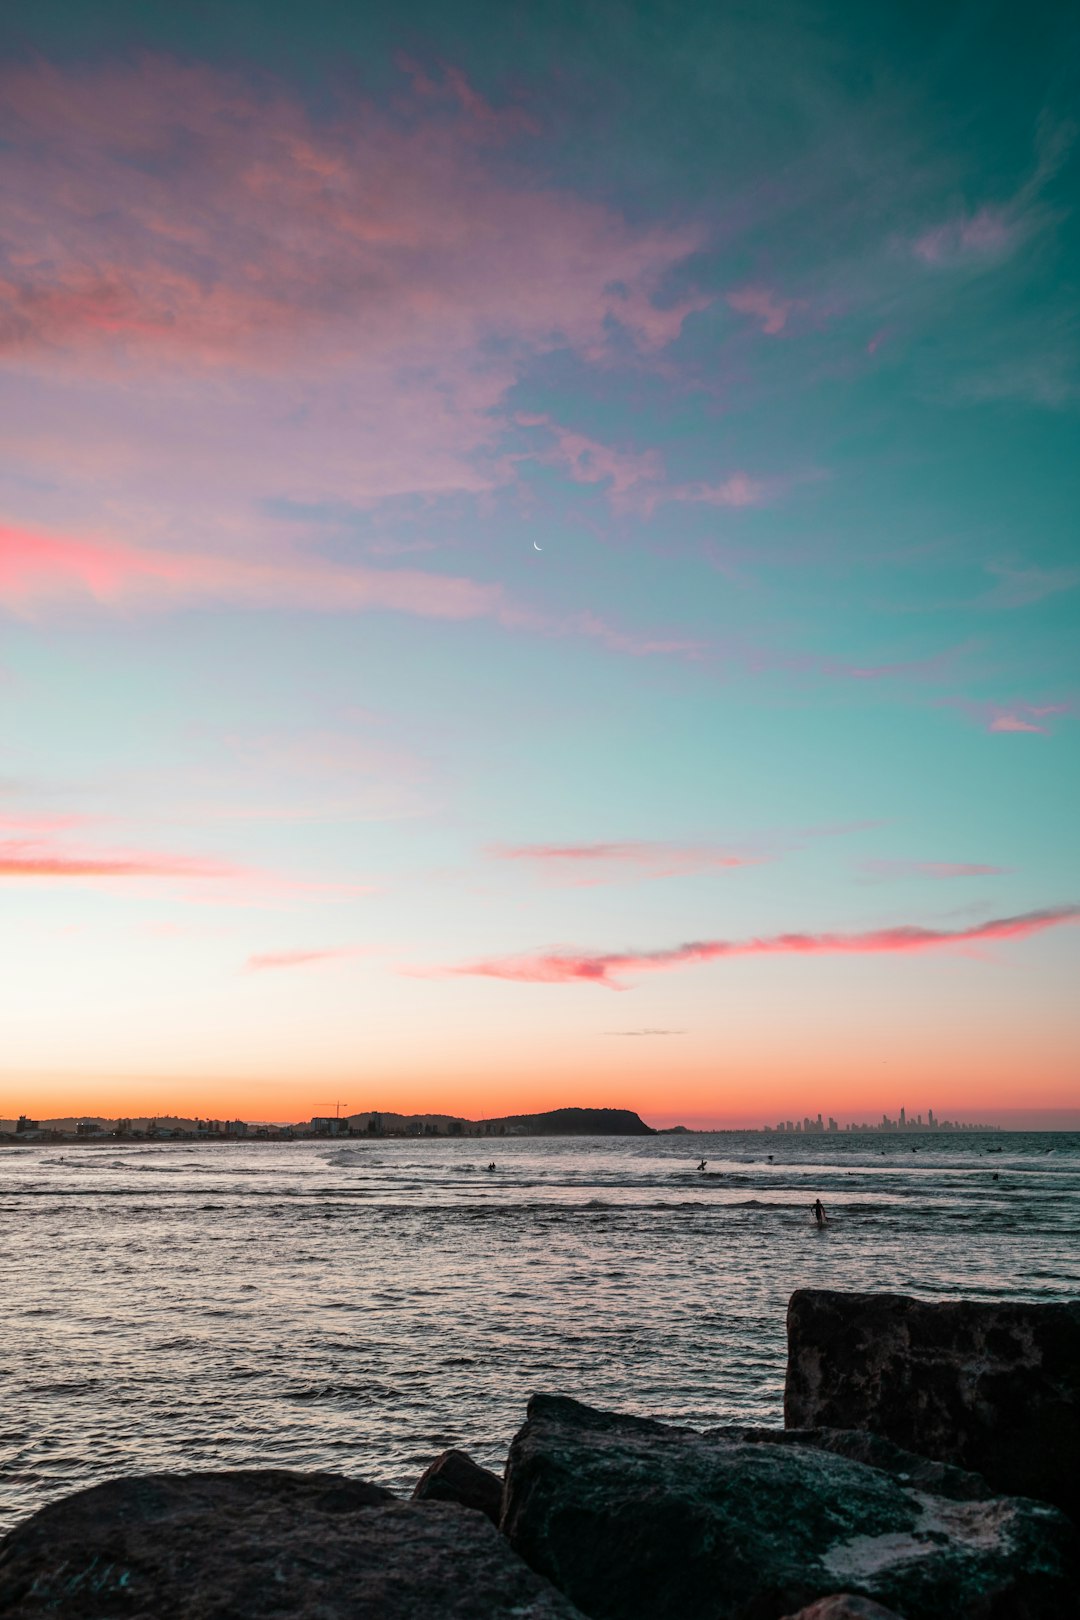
(271, 961)
(646, 1032)
(929, 869)
(176, 208)
(1010, 717)
(738, 490)
(608, 969)
(49, 856)
(586, 865)
(987, 234)
(328, 306)
(36, 858)
(265, 305)
(766, 306)
(1022, 587)
(1011, 721)
(40, 571)
(636, 479)
(992, 232)
(449, 86)
(39, 822)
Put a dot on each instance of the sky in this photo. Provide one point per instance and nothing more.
(539, 559)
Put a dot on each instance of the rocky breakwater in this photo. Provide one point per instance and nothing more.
(638, 1520)
(264, 1546)
(611, 1517)
(993, 1387)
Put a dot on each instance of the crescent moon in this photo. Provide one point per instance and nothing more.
(536, 547)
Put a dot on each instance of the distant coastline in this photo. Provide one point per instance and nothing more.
(88, 1129)
(91, 1129)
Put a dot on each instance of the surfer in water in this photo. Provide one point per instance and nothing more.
(819, 1213)
(702, 1165)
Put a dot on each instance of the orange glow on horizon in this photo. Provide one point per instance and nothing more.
(691, 1096)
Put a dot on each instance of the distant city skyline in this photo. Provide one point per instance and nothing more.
(819, 1126)
(539, 560)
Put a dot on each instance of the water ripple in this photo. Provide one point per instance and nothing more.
(361, 1306)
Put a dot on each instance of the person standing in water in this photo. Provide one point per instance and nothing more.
(819, 1212)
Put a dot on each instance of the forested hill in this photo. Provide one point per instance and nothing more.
(576, 1122)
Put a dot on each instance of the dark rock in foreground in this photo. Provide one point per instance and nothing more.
(635, 1520)
(263, 1546)
(454, 1477)
(990, 1387)
(858, 1445)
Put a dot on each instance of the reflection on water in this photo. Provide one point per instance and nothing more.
(358, 1306)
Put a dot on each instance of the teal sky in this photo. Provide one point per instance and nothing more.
(539, 559)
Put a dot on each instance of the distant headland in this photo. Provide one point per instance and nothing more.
(375, 1123)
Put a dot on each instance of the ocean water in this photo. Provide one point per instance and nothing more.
(358, 1306)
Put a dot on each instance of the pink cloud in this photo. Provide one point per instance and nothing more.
(1015, 717)
(987, 234)
(487, 122)
(40, 571)
(737, 491)
(931, 667)
(586, 865)
(271, 960)
(589, 462)
(636, 480)
(210, 297)
(37, 570)
(567, 966)
(930, 869)
(1013, 722)
(1028, 721)
(769, 309)
(34, 858)
(206, 881)
(177, 209)
(30, 822)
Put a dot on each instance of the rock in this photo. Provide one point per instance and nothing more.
(271, 1545)
(636, 1520)
(992, 1387)
(454, 1477)
(844, 1606)
(940, 1479)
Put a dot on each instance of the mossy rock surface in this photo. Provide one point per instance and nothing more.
(637, 1520)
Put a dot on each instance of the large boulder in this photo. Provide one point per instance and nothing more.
(454, 1477)
(993, 1387)
(859, 1445)
(844, 1606)
(636, 1520)
(272, 1545)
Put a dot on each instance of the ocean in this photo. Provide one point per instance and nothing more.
(360, 1305)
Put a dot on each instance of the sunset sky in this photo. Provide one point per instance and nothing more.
(539, 559)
